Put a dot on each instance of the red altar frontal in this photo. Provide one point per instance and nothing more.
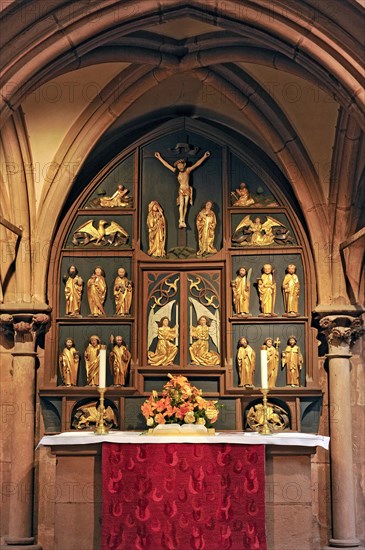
(182, 496)
(135, 492)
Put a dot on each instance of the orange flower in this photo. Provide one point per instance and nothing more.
(160, 419)
(147, 409)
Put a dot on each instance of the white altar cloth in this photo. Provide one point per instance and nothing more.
(234, 438)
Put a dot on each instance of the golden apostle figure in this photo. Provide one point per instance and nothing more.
(69, 363)
(183, 176)
(241, 292)
(156, 225)
(199, 349)
(92, 360)
(267, 291)
(119, 359)
(272, 361)
(123, 290)
(291, 287)
(241, 196)
(292, 359)
(246, 361)
(205, 223)
(96, 292)
(73, 291)
(166, 349)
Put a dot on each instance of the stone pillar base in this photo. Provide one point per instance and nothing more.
(350, 544)
(20, 543)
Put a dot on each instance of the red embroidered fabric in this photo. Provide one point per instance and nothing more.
(183, 496)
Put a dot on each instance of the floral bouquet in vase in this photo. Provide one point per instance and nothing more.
(181, 408)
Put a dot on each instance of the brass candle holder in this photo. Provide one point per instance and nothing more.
(100, 428)
(265, 429)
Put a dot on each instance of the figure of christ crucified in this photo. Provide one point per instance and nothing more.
(182, 172)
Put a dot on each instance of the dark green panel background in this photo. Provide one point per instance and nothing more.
(81, 335)
(159, 183)
(85, 266)
(121, 174)
(256, 335)
(280, 263)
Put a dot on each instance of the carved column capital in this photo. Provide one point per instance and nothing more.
(24, 327)
(341, 332)
(339, 326)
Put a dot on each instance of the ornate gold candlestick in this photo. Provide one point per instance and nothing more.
(100, 428)
(265, 429)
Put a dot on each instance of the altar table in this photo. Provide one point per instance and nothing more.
(186, 491)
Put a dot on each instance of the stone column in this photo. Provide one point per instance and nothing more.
(341, 331)
(23, 328)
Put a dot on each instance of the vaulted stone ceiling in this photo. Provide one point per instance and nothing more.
(285, 75)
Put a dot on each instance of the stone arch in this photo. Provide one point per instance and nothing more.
(68, 33)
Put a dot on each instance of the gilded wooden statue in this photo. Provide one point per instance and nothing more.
(291, 288)
(183, 172)
(123, 290)
(241, 196)
(119, 359)
(69, 363)
(246, 362)
(73, 291)
(205, 223)
(292, 360)
(241, 292)
(96, 292)
(272, 360)
(156, 225)
(267, 291)
(92, 360)
(166, 348)
(199, 349)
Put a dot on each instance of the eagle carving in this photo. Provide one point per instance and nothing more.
(102, 235)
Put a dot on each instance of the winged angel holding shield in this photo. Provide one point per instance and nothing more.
(207, 328)
(159, 327)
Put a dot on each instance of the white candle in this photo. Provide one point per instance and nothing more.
(264, 384)
(102, 367)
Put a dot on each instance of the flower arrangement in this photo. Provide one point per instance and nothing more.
(180, 403)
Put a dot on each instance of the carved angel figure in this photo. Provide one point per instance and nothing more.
(207, 329)
(159, 327)
(256, 233)
(166, 350)
(114, 234)
(199, 349)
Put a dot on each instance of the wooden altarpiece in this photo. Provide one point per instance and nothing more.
(186, 284)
